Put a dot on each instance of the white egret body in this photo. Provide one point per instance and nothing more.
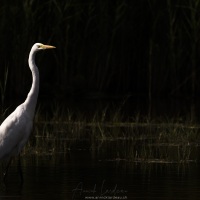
(16, 128)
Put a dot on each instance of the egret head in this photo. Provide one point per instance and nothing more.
(39, 46)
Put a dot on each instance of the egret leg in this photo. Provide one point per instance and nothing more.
(20, 170)
(6, 170)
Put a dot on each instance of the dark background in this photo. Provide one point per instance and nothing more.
(144, 49)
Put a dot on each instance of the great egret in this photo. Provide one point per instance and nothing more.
(16, 128)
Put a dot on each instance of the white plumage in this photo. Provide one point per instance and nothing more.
(16, 128)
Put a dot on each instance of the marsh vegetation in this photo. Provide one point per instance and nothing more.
(106, 50)
(109, 136)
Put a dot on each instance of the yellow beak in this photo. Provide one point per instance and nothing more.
(43, 46)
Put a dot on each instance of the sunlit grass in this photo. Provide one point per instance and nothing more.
(135, 140)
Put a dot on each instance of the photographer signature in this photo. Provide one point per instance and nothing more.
(101, 190)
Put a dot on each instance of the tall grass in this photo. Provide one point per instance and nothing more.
(3, 87)
(102, 47)
(134, 140)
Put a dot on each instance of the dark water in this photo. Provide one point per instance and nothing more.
(79, 176)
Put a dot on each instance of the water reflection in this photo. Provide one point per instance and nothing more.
(78, 176)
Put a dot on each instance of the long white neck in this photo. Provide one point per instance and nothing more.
(31, 100)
